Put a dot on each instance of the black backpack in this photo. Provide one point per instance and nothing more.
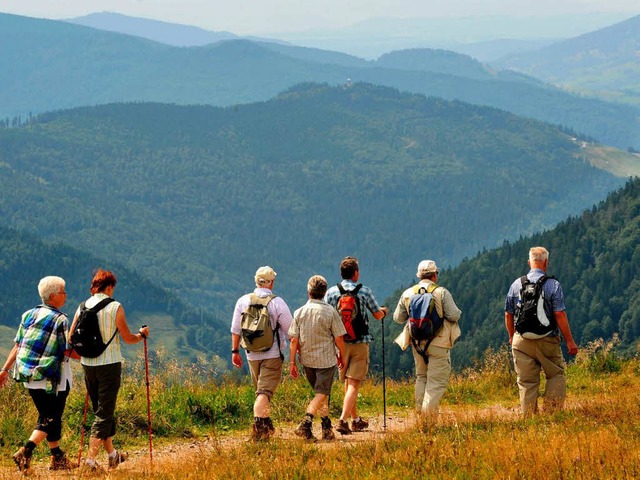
(353, 318)
(86, 338)
(530, 319)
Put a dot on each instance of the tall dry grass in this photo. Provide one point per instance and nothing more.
(479, 434)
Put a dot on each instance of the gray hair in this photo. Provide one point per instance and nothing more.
(317, 287)
(538, 254)
(50, 285)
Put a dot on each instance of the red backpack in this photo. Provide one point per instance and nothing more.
(348, 307)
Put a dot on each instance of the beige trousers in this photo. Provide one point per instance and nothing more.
(530, 357)
(432, 378)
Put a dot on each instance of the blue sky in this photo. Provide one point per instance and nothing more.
(259, 17)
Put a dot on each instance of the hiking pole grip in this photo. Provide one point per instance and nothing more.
(146, 371)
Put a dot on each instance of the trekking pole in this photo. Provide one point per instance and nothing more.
(384, 385)
(84, 421)
(146, 370)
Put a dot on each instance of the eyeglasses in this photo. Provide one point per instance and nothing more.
(61, 293)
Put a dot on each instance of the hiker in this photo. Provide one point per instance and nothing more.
(432, 357)
(535, 339)
(265, 362)
(316, 331)
(41, 365)
(102, 374)
(356, 349)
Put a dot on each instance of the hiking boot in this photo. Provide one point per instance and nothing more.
(60, 463)
(343, 428)
(260, 430)
(269, 424)
(22, 459)
(304, 431)
(327, 434)
(359, 425)
(118, 459)
(91, 470)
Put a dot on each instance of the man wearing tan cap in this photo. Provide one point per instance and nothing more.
(265, 366)
(432, 360)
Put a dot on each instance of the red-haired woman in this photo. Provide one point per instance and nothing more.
(102, 373)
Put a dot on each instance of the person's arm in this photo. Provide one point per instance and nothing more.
(508, 322)
(236, 358)
(563, 324)
(450, 310)
(293, 348)
(400, 315)
(380, 314)
(340, 344)
(123, 328)
(11, 359)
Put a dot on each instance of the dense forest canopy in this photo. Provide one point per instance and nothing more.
(199, 197)
(596, 257)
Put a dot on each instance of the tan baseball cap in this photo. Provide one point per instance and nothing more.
(427, 266)
(265, 275)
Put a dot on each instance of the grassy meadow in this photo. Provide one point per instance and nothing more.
(478, 435)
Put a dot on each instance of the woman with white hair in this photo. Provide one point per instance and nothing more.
(39, 362)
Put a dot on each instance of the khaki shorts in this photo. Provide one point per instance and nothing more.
(266, 375)
(356, 361)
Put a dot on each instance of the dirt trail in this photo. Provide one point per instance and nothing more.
(138, 461)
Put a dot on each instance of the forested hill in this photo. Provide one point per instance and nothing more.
(199, 197)
(596, 257)
(48, 65)
(26, 259)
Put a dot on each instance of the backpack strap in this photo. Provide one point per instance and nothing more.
(100, 305)
(344, 290)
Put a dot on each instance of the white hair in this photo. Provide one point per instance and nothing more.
(50, 285)
(538, 254)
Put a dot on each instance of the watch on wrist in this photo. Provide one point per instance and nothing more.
(235, 350)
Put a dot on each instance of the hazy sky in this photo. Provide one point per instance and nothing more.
(272, 16)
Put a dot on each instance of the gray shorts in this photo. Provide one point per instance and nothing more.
(320, 379)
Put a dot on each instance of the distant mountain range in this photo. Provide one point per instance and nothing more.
(59, 65)
(158, 31)
(605, 62)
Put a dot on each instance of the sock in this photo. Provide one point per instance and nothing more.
(56, 452)
(90, 461)
(113, 454)
(29, 447)
(308, 418)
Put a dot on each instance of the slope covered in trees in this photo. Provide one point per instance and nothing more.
(52, 65)
(198, 197)
(596, 257)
